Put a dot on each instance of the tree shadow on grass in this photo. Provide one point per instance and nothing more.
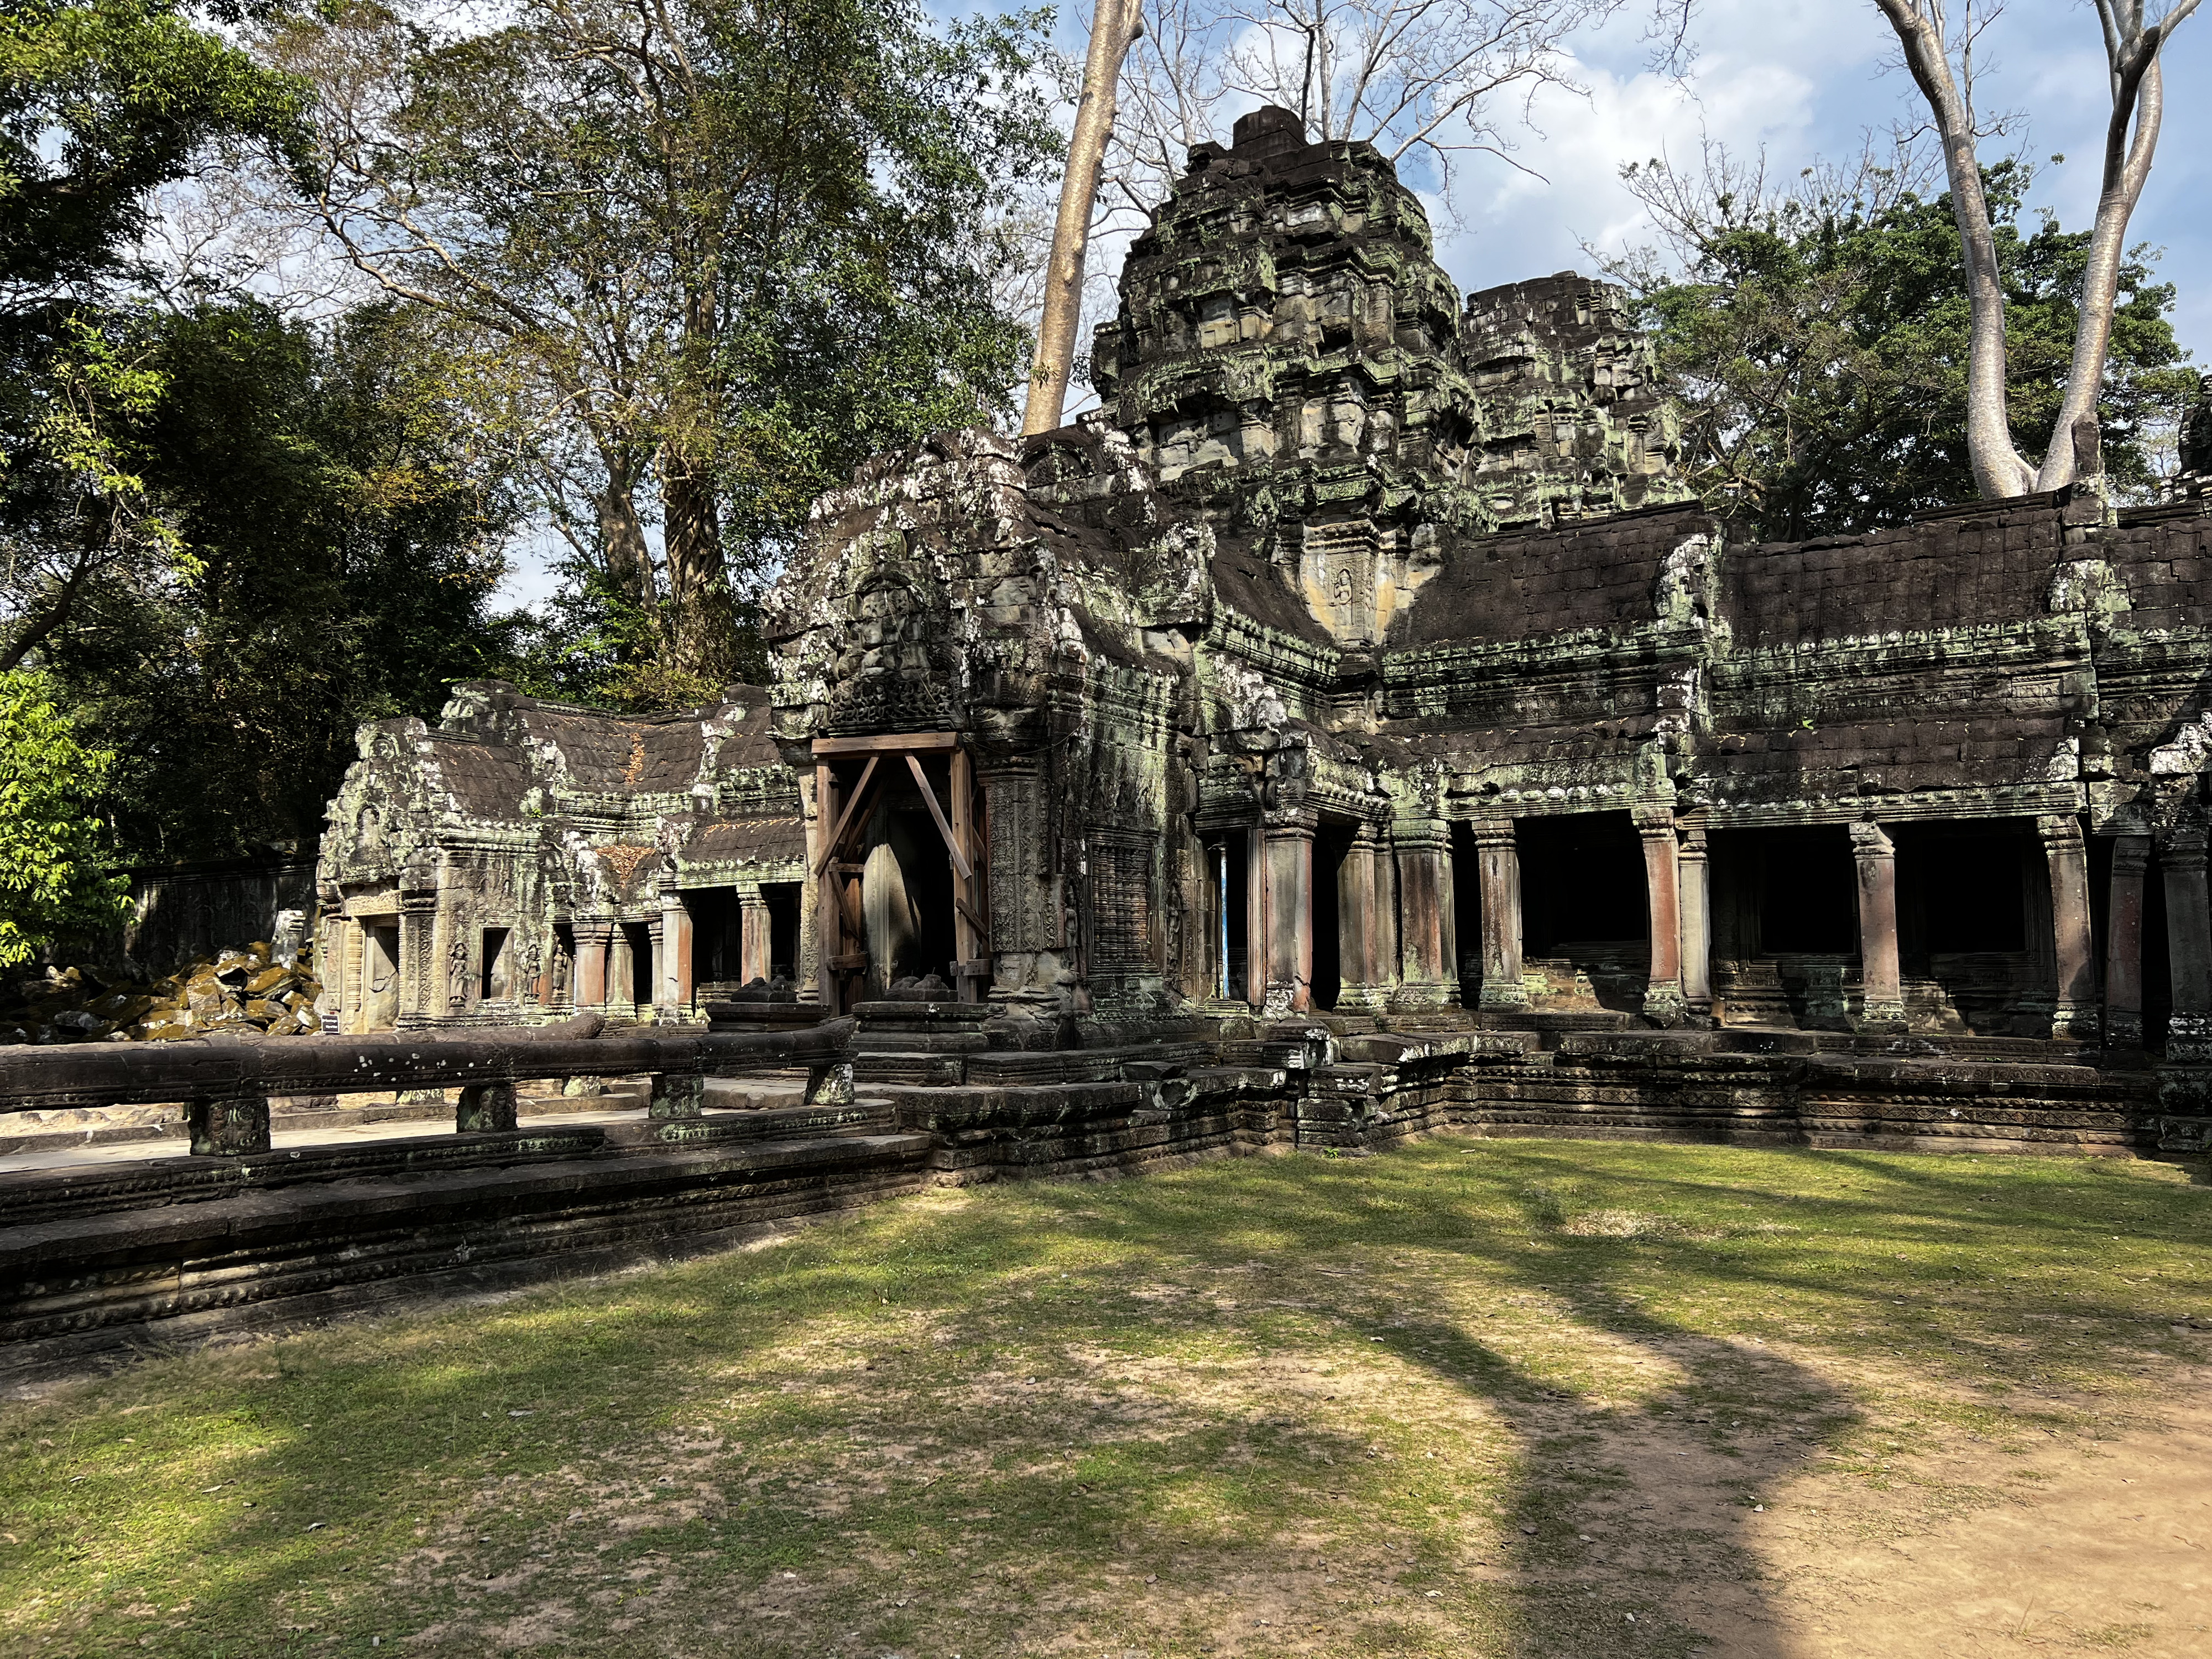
(1145, 1415)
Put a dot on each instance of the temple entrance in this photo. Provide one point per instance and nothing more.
(379, 976)
(1785, 939)
(1228, 908)
(1585, 915)
(906, 895)
(1331, 843)
(717, 937)
(636, 939)
(1973, 903)
(781, 898)
(897, 852)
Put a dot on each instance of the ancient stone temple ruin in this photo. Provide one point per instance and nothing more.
(1360, 667)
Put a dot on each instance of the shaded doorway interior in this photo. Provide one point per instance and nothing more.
(717, 935)
(1785, 925)
(1467, 910)
(1586, 923)
(1228, 867)
(1970, 898)
(781, 898)
(1331, 843)
(638, 936)
(906, 893)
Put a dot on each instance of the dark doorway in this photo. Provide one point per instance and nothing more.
(717, 935)
(1788, 892)
(496, 984)
(781, 898)
(1467, 911)
(639, 937)
(1965, 894)
(1581, 879)
(1331, 843)
(1585, 915)
(1228, 874)
(906, 894)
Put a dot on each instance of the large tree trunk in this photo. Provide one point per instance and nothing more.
(1998, 469)
(621, 543)
(700, 622)
(1114, 26)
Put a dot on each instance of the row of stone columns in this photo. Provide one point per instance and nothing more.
(1677, 872)
(1395, 934)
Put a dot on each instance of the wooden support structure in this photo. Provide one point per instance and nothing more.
(842, 933)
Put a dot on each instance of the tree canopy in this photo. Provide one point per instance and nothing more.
(1821, 337)
(54, 876)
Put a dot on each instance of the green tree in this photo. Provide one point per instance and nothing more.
(338, 530)
(102, 103)
(697, 256)
(55, 879)
(1821, 337)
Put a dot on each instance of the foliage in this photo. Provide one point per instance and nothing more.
(100, 104)
(339, 531)
(985, 1421)
(702, 258)
(1820, 336)
(54, 877)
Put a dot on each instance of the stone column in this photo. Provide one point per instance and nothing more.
(1497, 869)
(418, 920)
(1362, 950)
(754, 937)
(1694, 876)
(2188, 944)
(657, 962)
(353, 991)
(1883, 1003)
(1428, 956)
(1022, 907)
(1287, 844)
(593, 935)
(1663, 989)
(675, 979)
(2124, 976)
(2073, 951)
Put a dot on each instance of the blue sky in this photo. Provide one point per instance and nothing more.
(1805, 80)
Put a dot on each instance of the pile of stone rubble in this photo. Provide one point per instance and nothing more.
(236, 993)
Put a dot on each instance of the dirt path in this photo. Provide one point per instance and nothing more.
(2077, 1544)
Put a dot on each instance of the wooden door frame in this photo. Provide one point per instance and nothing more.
(840, 942)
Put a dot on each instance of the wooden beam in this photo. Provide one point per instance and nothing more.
(837, 836)
(952, 845)
(895, 742)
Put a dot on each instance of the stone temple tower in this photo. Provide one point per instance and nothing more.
(1287, 353)
(1291, 358)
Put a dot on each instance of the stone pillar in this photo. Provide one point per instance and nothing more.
(1021, 907)
(675, 982)
(1497, 869)
(2124, 976)
(1287, 844)
(1428, 955)
(418, 921)
(1363, 952)
(352, 988)
(227, 1126)
(657, 961)
(2073, 951)
(1882, 1002)
(754, 937)
(593, 936)
(1663, 989)
(2188, 944)
(1693, 878)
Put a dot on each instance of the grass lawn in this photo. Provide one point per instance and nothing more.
(1472, 1397)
